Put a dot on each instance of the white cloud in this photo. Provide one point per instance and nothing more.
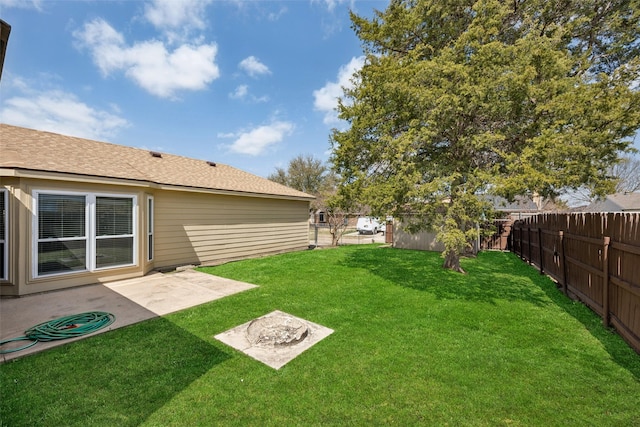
(106, 45)
(258, 99)
(149, 64)
(226, 135)
(21, 4)
(274, 16)
(60, 112)
(177, 19)
(326, 98)
(176, 14)
(256, 141)
(253, 66)
(331, 4)
(240, 92)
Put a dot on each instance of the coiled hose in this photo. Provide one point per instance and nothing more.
(64, 327)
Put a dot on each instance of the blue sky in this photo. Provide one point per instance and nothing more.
(248, 83)
(251, 84)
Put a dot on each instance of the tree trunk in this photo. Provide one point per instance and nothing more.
(452, 262)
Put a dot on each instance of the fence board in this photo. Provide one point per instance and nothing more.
(594, 257)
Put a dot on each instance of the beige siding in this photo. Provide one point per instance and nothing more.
(195, 228)
(21, 280)
(190, 228)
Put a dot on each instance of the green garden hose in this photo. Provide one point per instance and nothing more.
(65, 327)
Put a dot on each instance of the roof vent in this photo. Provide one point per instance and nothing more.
(212, 164)
(155, 154)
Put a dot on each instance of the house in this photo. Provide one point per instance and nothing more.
(5, 30)
(619, 202)
(321, 218)
(76, 211)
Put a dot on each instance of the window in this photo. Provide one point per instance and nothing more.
(150, 228)
(4, 231)
(80, 232)
(114, 231)
(62, 234)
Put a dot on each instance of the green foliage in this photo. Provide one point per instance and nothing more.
(308, 174)
(462, 98)
(304, 173)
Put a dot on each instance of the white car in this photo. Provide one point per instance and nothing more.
(367, 224)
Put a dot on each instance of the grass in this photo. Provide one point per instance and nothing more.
(413, 345)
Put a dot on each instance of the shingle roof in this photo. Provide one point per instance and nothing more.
(29, 149)
(619, 202)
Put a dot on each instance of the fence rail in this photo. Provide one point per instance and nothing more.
(594, 257)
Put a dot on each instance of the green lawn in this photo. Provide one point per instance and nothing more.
(413, 345)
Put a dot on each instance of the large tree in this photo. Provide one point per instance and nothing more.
(311, 175)
(305, 173)
(459, 98)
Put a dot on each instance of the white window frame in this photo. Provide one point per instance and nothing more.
(4, 194)
(95, 238)
(90, 231)
(36, 231)
(150, 226)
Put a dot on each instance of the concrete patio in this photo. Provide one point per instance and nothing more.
(130, 301)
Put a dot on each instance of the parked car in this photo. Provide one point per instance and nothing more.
(367, 224)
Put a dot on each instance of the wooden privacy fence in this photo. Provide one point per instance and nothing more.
(499, 240)
(594, 257)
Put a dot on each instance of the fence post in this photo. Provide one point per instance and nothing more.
(512, 238)
(541, 250)
(563, 266)
(529, 244)
(605, 283)
(316, 235)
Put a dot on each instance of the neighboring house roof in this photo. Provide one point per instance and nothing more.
(619, 202)
(519, 204)
(33, 150)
